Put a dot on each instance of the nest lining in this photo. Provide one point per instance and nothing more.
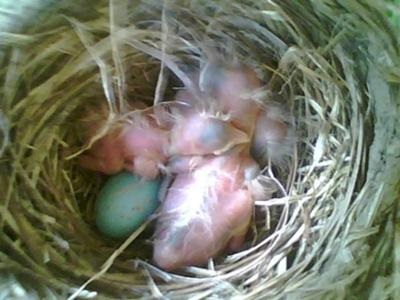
(332, 62)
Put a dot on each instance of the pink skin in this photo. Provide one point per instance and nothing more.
(267, 126)
(104, 156)
(204, 211)
(138, 147)
(232, 89)
(227, 91)
(184, 164)
(181, 128)
(197, 134)
(145, 143)
(145, 148)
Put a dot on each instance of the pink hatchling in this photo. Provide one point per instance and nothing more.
(143, 142)
(137, 144)
(234, 92)
(207, 208)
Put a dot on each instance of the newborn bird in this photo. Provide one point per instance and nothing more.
(221, 116)
(273, 136)
(138, 145)
(234, 90)
(146, 139)
(196, 133)
(208, 207)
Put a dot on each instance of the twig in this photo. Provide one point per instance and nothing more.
(163, 74)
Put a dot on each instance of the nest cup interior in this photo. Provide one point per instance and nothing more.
(316, 58)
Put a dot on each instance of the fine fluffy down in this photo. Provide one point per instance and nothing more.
(231, 92)
(273, 136)
(235, 92)
(205, 210)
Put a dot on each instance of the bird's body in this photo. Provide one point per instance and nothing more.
(273, 135)
(199, 134)
(205, 210)
(145, 140)
(138, 145)
(235, 92)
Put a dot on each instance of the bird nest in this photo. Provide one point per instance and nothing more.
(329, 232)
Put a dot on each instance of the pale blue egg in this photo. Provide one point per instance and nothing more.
(124, 203)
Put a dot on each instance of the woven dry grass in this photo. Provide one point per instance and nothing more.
(330, 233)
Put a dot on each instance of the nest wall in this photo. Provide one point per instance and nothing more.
(331, 231)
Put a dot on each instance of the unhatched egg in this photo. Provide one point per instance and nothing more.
(124, 203)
